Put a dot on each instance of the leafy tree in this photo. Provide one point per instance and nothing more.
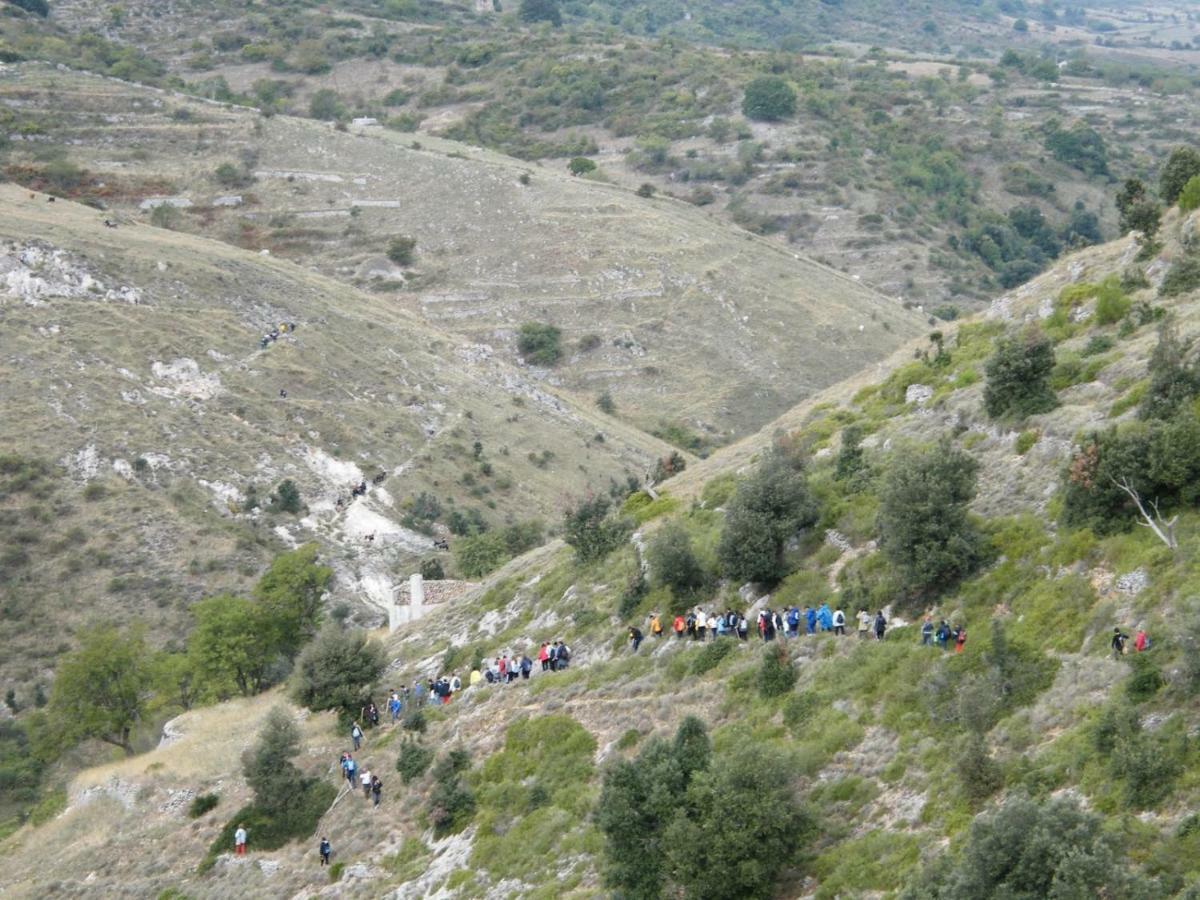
(740, 827)
(37, 7)
(1181, 167)
(326, 105)
(776, 674)
(979, 775)
(413, 760)
(337, 671)
(431, 569)
(580, 165)
(1174, 380)
(541, 11)
(850, 467)
(672, 561)
(1018, 376)
(693, 747)
(1138, 210)
(268, 765)
(1182, 277)
(770, 506)
(539, 343)
(1026, 850)
(400, 250)
(605, 403)
(924, 529)
(1189, 197)
(101, 690)
(587, 528)
(769, 98)
(1080, 146)
(478, 554)
(290, 592)
(233, 646)
(287, 498)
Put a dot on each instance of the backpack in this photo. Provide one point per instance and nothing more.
(564, 654)
(793, 617)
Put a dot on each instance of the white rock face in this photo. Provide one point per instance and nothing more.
(155, 202)
(183, 378)
(920, 394)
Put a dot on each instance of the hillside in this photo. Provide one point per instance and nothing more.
(686, 323)
(145, 410)
(895, 749)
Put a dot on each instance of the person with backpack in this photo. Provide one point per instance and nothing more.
(880, 625)
(1119, 641)
(552, 656)
(927, 632)
(810, 621)
(526, 666)
(864, 624)
(839, 622)
(679, 626)
(564, 655)
(825, 617)
(743, 627)
(635, 638)
(326, 850)
(1141, 641)
(394, 706)
(960, 639)
(356, 735)
(942, 635)
(376, 789)
(656, 626)
(350, 767)
(793, 622)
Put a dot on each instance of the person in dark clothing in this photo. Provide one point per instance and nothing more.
(635, 638)
(880, 625)
(326, 850)
(376, 789)
(1119, 641)
(927, 632)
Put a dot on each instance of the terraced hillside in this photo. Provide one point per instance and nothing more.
(141, 411)
(683, 321)
(918, 767)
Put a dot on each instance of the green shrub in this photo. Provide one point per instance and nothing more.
(710, 656)
(539, 343)
(53, 803)
(588, 528)
(768, 98)
(1112, 304)
(1018, 376)
(402, 250)
(335, 871)
(413, 760)
(287, 498)
(979, 776)
(414, 721)
(1181, 167)
(338, 670)
(326, 104)
(770, 506)
(672, 560)
(1025, 441)
(1189, 197)
(1146, 678)
(581, 165)
(540, 11)
(776, 673)
(1182, 277)
(431, 569)
(203, 803)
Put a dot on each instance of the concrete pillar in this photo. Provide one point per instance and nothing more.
(416, 596)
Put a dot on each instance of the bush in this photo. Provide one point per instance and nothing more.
(710, 656)
(1112, 304)
(478, 554)
(431, 569)
(979, 776)
(588, 529)
(203, 803)
(413, 760)
(539, 343)
(1174, 380)
(326, 105)
(1146, 678)
(37, 7)
(672, 561)
(770, 506)
(414, 721)
(451, 802)
(1189, 197)
(776, 674)
(580, 165)
(922, 521)
(605, 403)
(1182, 277)
(1029, 849)
(337, 671)
(1018, 376)
(287, 498)
(1181, 167)
(646, 189)
(768, 98)
(229, 175)
(401, 250)
(541, 11)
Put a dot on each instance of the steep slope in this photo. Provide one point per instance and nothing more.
(137, 389)
(874, 732)
(683, 321)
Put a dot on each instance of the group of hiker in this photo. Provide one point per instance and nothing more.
(372, 786)
(699, 625)
(273, 335)
(1120, 642)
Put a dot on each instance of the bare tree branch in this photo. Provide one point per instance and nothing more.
(1164, 530)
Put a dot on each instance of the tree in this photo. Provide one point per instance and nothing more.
(1181, 167)
(290, 592)
(431, 569)
(850, 466)
(1189, 197)
(776, 674)
(740, 826)
(1138, 210)
(541, 11)
(540, 343)
(1174, 380)
(693, 747)
(233, 646)
(768, 98)
(587, 528)
(268, 765)
(1080, 146)
(37, 7)
(672, 561)
(337, 671)
(580, 165)
(1026, 849)
(1018, 376)
(327, 105)
(770, 506)
(401, 249)
(924, 529)
(478, 554)
(102, 690)
(287, 498)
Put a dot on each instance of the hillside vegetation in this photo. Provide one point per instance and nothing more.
(903, 768)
